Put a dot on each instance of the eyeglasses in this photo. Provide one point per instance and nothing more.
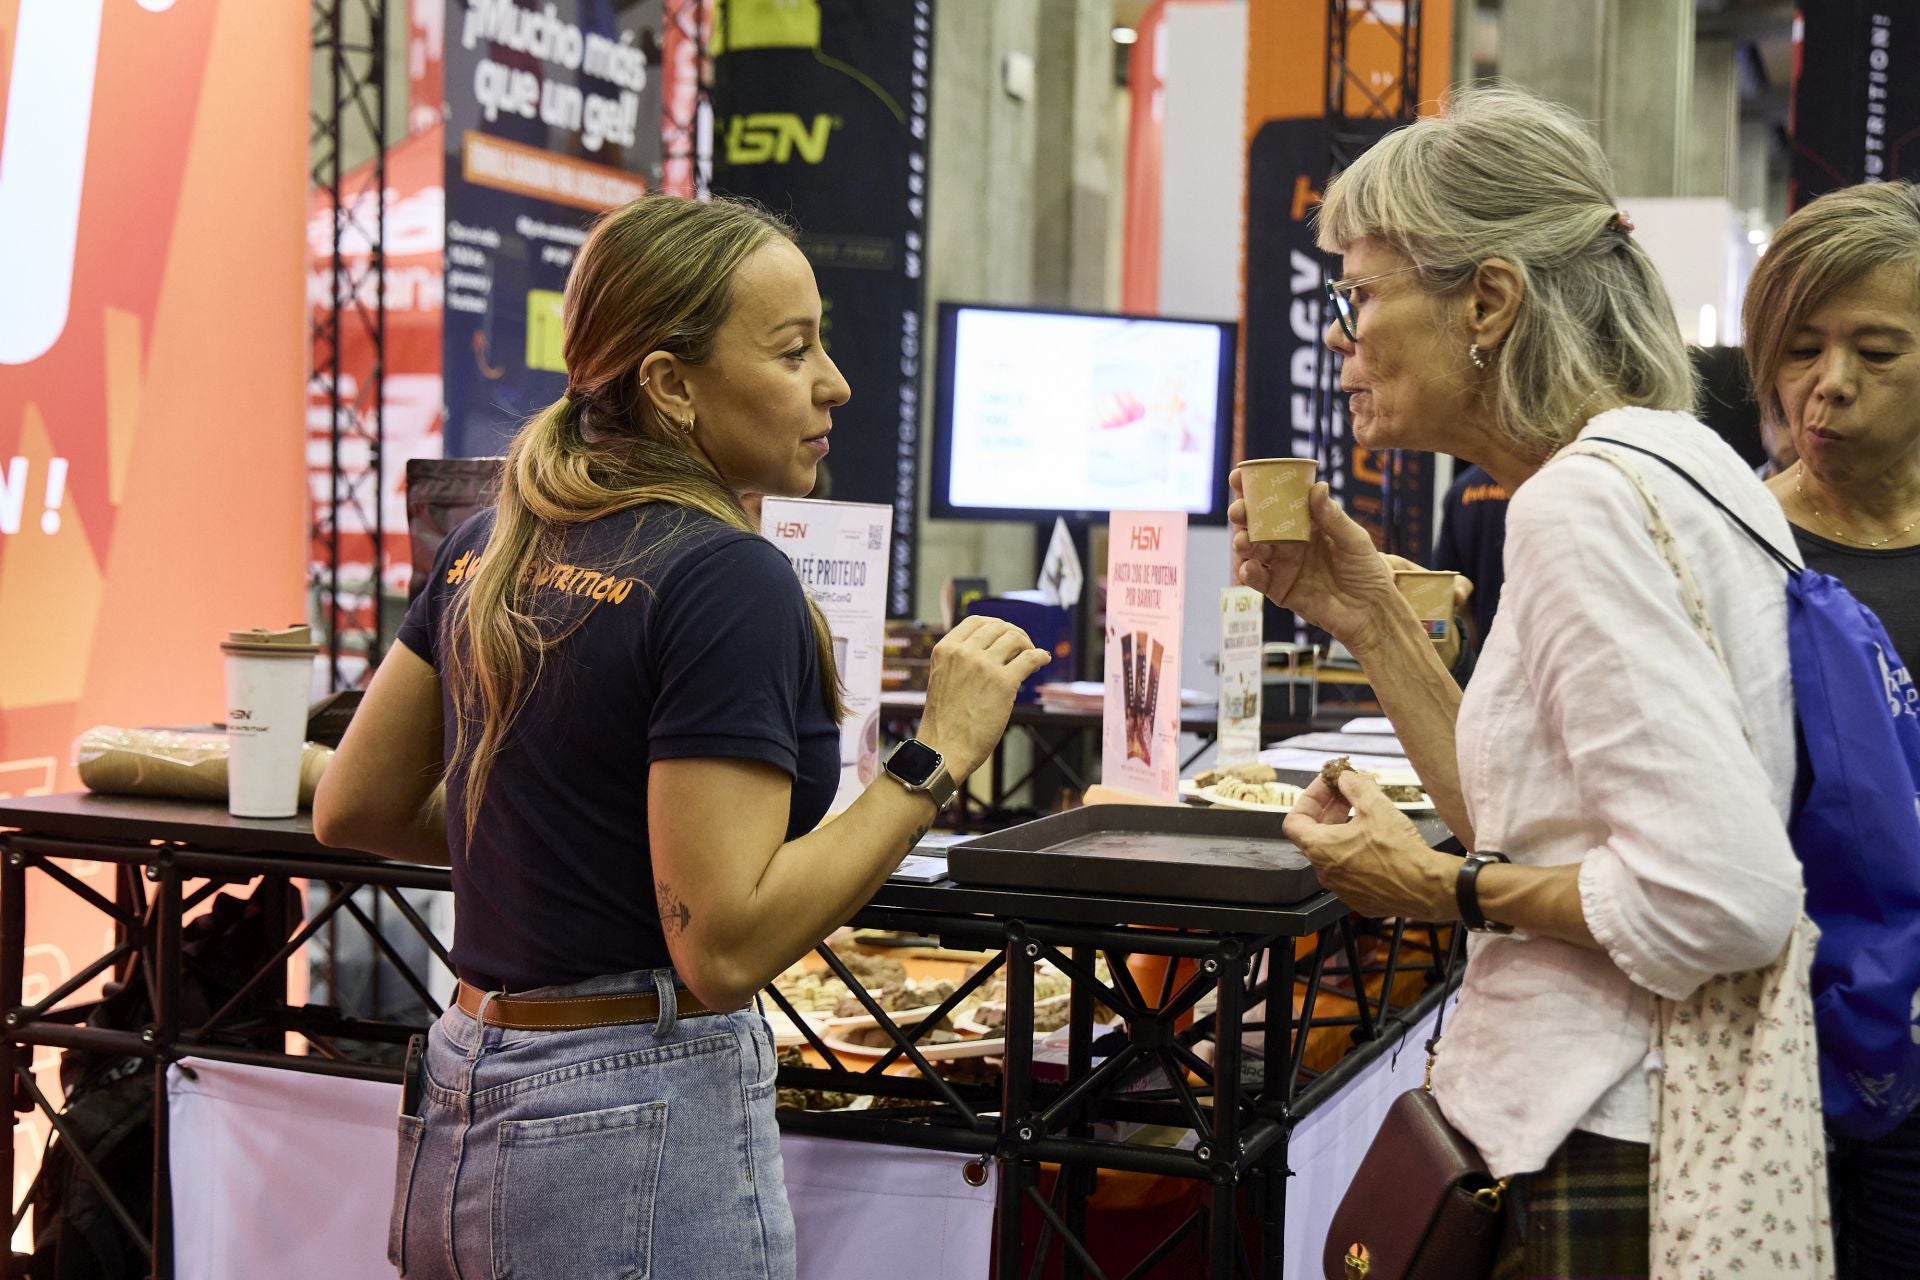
(1340, 294)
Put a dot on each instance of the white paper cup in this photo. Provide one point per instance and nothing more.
(1276, 492)
(269, 674)
(1430, 592)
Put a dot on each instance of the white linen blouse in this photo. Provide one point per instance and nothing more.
(1600, 729)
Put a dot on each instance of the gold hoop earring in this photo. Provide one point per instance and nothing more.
(686, 424)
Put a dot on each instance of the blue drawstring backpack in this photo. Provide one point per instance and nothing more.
(1856, 829)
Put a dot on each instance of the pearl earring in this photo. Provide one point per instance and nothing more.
(1473, 354)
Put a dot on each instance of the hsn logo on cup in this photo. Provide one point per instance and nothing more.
(769, 136)
(239, 720)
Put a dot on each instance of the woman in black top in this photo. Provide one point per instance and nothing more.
(1832, 320)
(614, 713)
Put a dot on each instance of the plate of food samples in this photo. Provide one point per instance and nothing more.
(1257, 787)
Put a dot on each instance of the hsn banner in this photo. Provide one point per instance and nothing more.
(821, 112)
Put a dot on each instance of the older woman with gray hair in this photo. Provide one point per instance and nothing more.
(1630, 846)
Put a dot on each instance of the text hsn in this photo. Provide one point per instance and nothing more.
(1145, 537)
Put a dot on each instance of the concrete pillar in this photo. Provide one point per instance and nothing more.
(1557, 48)
(981, 226)
(1753, 170)
(1626, 65)
(1070, 174)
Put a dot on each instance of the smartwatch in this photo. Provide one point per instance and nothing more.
(918, 767)
(1466, 892)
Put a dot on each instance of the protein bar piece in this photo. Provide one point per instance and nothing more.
(1331, 771)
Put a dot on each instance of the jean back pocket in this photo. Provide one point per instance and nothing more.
(408, 1156)
(574, 1195)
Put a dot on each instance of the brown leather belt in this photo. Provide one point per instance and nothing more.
(573, 1013)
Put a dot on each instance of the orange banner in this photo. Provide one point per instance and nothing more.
(152, 365)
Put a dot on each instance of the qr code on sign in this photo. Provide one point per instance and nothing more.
(873, 536)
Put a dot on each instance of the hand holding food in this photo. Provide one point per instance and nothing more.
(1368, 852)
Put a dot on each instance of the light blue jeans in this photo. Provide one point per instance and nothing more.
(617, 1152)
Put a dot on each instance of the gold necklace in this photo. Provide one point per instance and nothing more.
(1800, 489)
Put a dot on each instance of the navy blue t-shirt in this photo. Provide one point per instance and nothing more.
(693, 640)
(1472, 541)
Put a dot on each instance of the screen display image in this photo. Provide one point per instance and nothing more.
(1054, 412)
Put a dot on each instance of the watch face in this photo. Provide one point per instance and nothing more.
(913, 763)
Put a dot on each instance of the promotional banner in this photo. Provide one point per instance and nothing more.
(1238, 730)
(553, 115)
(839, 549)
(1855, 113)
(152, 354)
(820, 112)
(1146, 567)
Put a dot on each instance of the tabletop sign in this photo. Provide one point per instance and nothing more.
(1240, 676)
(1146, 571)
(840, 549)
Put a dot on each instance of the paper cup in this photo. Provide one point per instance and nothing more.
(1430, 592)
(269, 674)
(1276, 492)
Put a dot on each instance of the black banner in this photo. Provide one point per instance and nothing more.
(820, 112)
(1856, 95)
(1293, 406)
(553, 114)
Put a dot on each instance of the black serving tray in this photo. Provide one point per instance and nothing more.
(1143, 851)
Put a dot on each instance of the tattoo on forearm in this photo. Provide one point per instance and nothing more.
(673, 912)
(914, 843)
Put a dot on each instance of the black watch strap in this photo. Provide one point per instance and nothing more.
(1466, 892)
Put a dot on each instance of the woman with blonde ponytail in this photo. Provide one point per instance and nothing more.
(614, 713)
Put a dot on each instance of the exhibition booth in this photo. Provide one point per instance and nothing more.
(263, 339)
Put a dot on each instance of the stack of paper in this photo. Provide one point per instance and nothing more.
(1082, 697)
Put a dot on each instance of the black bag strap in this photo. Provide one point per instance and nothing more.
(1784, 561)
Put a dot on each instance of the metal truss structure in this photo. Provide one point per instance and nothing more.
(1364, 102)
(685, 38)
(1303, 996)
(349, 61)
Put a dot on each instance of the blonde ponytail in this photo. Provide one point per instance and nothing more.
(654, 275)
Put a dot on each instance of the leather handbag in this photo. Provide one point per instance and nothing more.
(1422, 1205)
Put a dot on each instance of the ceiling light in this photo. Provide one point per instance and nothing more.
(1125, 35)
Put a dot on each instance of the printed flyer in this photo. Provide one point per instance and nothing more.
(1240, 691)
(1146, 568)
(839, 549)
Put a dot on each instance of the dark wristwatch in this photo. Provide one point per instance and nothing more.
(1467, 893)
(918, 767)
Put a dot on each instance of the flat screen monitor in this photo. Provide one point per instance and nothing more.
(1040, 414)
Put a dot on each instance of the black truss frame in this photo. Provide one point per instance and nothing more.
(355, 73)
(1149, 1072)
